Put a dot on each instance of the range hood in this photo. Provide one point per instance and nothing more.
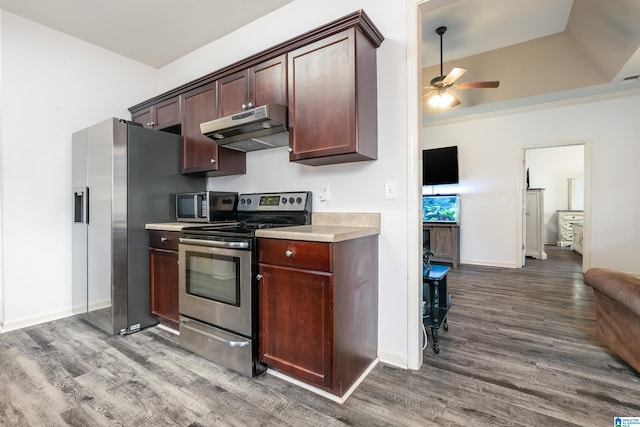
(255, 129)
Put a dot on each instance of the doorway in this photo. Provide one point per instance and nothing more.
(561, 174)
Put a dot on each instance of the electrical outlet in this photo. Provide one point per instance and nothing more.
(325, 193)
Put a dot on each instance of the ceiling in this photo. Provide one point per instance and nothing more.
(540, 51)
(154, 32)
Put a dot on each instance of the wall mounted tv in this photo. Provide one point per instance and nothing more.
(440, 166)
(443, 208)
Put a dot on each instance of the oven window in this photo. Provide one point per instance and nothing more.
(215, 277)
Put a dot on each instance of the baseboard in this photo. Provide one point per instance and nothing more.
(31, 321)
(332, 397)
(393, 359)
(487, 263)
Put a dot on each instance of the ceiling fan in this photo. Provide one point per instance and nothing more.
(438, 96)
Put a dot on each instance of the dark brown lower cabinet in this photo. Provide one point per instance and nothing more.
(318, 309)
(163, 280)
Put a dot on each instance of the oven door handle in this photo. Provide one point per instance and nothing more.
(235, 344)
(215, 244)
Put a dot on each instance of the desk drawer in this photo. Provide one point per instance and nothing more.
(296, 253)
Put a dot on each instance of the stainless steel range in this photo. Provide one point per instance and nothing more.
(217, 279)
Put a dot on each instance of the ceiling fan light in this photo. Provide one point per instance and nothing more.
(445, 100)
(434, 101)
(441, 100)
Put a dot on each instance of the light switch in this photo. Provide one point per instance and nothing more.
(390, 190)
(325, 193)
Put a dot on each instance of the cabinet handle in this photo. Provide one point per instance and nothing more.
(163, 239)
(250, 105)
(244, 106)
(213, 160)
(259, 276)
(290, 150)
(151, 124)
(288, 254)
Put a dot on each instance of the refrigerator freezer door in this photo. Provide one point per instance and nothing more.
(79, 225)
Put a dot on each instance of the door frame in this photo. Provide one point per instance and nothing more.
(587, 147)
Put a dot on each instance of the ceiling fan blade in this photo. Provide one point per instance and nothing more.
(477, 85)
(454, 75)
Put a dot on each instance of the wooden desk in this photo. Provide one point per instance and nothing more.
(435, 301)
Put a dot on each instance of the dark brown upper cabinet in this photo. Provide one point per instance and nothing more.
(326, 77)
(261, 84)
(200, 154)
(165, 115)
(333, 101)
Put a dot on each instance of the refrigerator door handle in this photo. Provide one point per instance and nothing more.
(81, 205)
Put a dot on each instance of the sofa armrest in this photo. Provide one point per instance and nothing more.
(620, 287)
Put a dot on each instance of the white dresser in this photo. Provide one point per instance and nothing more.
(566, 219)
(578, 237)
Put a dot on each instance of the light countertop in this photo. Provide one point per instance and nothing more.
(325, 227)
(328, 227)
(171, 226)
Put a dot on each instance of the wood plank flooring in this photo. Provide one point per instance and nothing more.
(520, 350)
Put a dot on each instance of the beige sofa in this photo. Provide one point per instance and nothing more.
(617, 301)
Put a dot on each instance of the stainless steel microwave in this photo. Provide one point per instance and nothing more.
(207, 206)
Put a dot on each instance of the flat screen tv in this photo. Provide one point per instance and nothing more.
(440, 166)
(442, 208)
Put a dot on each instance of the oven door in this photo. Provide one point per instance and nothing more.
(215, 286)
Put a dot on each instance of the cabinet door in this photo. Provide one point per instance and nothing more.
(198, 151)
(234, 93)
(164, 284)
(296, 322)
(441, 241)
(333, 100)
(144, 117)
(167, 113)
(268, 83)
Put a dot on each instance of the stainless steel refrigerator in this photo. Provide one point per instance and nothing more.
(123, 177)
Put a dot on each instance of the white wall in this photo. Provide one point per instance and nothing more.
(355, 187)
(550, 168)
(52, 85)
(489, 150)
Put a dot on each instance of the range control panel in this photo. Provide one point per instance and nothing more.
(295, 201)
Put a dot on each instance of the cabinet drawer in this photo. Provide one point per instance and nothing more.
(164, 239)
(296, 253)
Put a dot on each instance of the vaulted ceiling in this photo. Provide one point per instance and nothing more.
(540, 51)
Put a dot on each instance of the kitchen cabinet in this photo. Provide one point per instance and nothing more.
(326, 77)
(332, 100)
(318, 309)
(165, 115)
(534, 224)
(444, 241)
(261, 84)
(201, 155)
(163, 281)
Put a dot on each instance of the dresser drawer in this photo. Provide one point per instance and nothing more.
(164, 239)
(296, 253)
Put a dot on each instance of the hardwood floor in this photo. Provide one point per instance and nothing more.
(520, 350)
